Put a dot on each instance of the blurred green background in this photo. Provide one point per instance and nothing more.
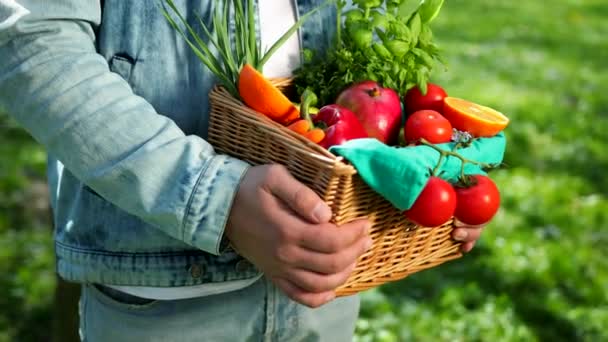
(540, 271)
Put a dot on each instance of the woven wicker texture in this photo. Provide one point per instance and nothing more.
(400, 248)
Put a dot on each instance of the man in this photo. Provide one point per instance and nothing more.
(143, 206)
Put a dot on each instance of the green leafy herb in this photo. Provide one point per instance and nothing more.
(430, 9)
(388, 41)
(236, 48)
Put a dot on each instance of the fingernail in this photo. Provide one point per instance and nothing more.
(460, 235)
(321, 213)
(330, 297)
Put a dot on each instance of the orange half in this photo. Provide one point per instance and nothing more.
(478, 120)
(261, 95)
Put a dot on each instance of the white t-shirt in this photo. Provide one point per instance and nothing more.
(276, 17)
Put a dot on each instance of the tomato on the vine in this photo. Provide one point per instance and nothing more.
(478, 202)
(428, 124)
(435, 205)
(414, 100)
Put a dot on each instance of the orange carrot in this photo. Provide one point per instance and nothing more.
(301, 126)
(315, 135)
(260, 94)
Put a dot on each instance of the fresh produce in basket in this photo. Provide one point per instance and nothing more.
(435, 205)
(240, 54)
(305, 126)
(432, 99)
(341, 125)
(429, 125)
(402, 56)
(260, 94)
(348, 151)
(477, 200)
(478, 120)
(378, 109)
(472, 198)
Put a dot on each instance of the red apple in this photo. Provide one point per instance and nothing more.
(378, 109)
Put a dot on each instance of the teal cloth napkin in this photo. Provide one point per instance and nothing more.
(400, 173)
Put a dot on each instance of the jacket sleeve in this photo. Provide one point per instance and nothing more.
(55, 85)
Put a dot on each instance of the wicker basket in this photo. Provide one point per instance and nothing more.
(400, 248)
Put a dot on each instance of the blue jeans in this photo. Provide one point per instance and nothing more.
(260, 312)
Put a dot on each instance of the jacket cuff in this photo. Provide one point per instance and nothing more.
(211, 201)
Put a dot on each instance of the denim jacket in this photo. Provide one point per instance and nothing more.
(120, 104)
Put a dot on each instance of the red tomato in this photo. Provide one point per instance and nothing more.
(478, 203)
(428, 124)
(435, 205)
(433, 99)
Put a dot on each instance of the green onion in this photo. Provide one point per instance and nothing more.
(234, 51)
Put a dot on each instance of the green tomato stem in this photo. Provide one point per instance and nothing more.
(445, 153)
(436, 168)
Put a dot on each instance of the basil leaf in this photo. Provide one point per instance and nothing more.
(421, 80)
(382, 51)
(402, 76)
(426, 36)
(415, 28)
(429, 10)
(363, 38)
(400, 30)
(407, 8)
(424, 56)
(364, 4)
(353, 15)
(379, 19)
(382, 35)
(397, 47)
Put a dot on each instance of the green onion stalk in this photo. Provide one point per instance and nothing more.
(236, 48)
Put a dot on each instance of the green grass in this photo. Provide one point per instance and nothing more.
(540, 271)
(27, 277)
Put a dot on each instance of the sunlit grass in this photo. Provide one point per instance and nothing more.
(539, 273)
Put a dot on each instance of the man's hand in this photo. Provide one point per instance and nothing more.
(468, 234)
(283, 228)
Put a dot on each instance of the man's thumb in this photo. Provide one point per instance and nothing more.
(300, 198)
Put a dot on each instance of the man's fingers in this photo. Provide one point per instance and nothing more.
(331, 239)
(318, 283)
(313, 300)
(460, 224)
(325, 263)
(297, 196)
(467, 246)
(467, 234)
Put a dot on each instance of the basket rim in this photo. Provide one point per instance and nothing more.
(314, 150)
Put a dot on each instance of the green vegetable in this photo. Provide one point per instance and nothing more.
(430, 9)
(363, 38)
(236, 49)
(389, 41)
(398, 47)
(415, 26)
(407, 8)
